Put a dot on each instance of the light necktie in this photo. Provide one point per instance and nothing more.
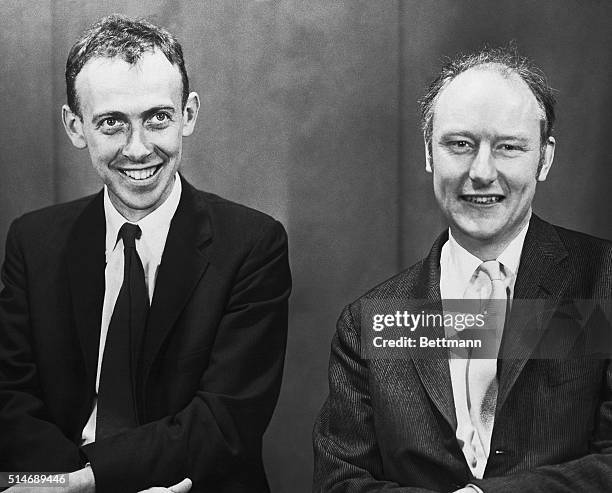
(116, 399)
(481, 371)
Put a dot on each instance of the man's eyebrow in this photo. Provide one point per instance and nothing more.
(458, 134)
(522, 139)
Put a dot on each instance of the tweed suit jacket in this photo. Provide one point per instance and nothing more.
(389, 424)
(209, 369)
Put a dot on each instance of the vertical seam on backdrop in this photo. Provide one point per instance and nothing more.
(400, 135)
(54, 131)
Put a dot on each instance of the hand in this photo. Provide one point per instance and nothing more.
(183, 487)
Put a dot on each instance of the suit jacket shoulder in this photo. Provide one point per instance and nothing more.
(419, 281)
(576, 241)
(586, 259)
(586, 251)
(45, 224)
(230, 219)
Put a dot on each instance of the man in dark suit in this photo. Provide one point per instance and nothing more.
(423, 418)
(143, 329)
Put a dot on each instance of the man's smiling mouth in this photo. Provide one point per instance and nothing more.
(483, 199)
(141, 174)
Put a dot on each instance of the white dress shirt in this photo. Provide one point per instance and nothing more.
(457, 267)
(150, 247)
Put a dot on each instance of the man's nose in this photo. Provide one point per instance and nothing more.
(483, 170)
(136, 148)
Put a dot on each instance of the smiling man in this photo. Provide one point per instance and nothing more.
(142, 329)
(427, 419)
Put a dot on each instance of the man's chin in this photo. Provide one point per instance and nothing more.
(483, 231)
(135, 206)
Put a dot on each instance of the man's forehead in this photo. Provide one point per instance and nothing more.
(112, 77)
(487, 96)
(152, 63)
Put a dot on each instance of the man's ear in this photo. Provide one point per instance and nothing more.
(190, 113)
(73, 124)
(428, 163)
(549, 155)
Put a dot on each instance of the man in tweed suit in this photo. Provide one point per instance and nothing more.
(425, 422)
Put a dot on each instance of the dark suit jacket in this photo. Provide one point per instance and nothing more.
(389, 424)
(210, 367)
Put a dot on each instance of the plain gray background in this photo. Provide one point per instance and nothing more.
(309, 113)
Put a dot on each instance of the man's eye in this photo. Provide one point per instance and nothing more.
(160, 118)
(110, 125)
(460, 146)
(510, 149)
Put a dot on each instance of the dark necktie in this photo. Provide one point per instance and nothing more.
(116, 392)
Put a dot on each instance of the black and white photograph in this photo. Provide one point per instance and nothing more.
(305, 246)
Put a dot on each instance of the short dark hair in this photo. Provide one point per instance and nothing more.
(119, 36)
(507, 61)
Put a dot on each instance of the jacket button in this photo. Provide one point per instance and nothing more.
(500, 452)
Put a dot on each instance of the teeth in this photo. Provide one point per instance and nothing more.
(486, 199)
(141, 174)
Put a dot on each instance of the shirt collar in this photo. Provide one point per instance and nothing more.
(154, 226)
(511, 256)
(461, 262)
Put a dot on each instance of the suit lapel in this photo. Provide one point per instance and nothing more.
(85, 259)
(542, 277)
(183, 263)
(432, 363)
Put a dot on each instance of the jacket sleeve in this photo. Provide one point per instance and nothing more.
(29, 440)
(219, 433)
(347, 458)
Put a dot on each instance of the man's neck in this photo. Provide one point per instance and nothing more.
(484, 251)
(489, 249)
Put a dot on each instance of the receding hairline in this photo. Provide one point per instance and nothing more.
(149, 51)
(504, 71)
